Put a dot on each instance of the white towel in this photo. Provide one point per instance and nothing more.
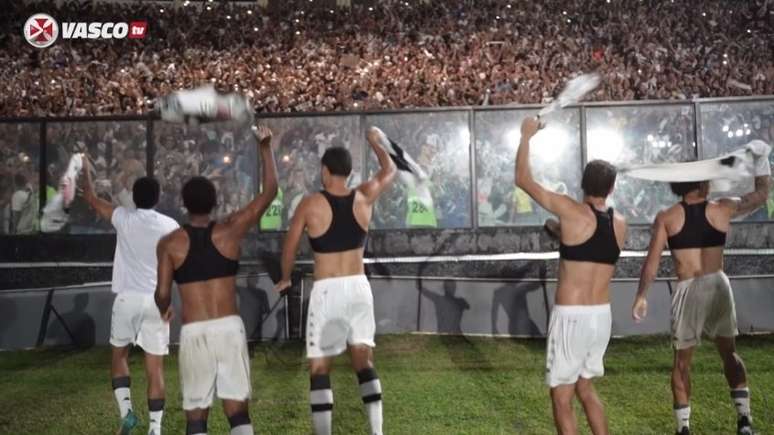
(204, 104)
(750, 160)
(409, 172)
(732, 166)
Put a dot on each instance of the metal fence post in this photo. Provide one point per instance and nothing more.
(150, 148)
(473, 171)
(42, 168)
(583, 138)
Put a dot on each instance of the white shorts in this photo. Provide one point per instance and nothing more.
(702, 305)
(577, 340)
(341, 312)
(136, 320)
(214, 360)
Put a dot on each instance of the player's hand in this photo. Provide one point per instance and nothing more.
(282, 285)
(639, 309)
(169, 315)
(375, 135)
(262, 134)
(760, 151)
(530, 127)
(758, 148)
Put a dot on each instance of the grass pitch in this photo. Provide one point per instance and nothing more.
(432, 385)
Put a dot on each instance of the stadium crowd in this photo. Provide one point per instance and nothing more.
(394, 54)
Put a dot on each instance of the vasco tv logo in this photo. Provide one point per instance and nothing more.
(42, 30)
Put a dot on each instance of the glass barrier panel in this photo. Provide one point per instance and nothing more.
(555, 159)
(440, 143)
(224, 152)
(726, 127)
(639, 135)
(117, 150)
(19, 177)
(299, 144)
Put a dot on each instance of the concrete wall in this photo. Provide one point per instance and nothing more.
(28, 318)
(514, 307)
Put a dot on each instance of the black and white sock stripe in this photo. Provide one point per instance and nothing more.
(320, 394)
(370, 387)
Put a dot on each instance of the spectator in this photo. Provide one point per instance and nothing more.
(435, 53)
(24, 207)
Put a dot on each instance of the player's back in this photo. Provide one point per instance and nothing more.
(696, 235)
(138, 231)
(591, 242)
(337, 225)
(205, 260)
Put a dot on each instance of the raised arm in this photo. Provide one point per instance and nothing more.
(374, 187)
(290, 246)
(649, 271)
(750, 201)
(246, 218)
(762, 171)
(103, 208)
(163, 295)
(551, 201)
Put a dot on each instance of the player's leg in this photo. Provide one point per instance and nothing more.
(567, 347)
(198, 372)
(722, 325)
(736, 376)
(592, 406)
(119, 373)
(360, 340)
(121, 383)
(564, 415)
(234, 385)
(154, 370)
(196, 421)
(370, 386)
(123, 331)
(326, 337)
(154, 340)
(321, 395)
(238, 417)
(598, 322)
(691, 301)
(681, 388)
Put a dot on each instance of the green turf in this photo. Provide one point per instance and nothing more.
(432, 385)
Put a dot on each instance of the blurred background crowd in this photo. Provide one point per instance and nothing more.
(298, 56)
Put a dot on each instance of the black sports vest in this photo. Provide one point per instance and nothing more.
(203, 261)
(344, 233)
(601, 247)
(696, 232)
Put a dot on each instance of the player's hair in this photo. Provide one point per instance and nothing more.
(199, 195)
(598, 178)
(145, 192)
(338, 161)
(684, 188)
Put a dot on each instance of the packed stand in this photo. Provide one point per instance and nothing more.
(391, 55)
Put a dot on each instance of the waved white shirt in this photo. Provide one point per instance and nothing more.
(138, 231)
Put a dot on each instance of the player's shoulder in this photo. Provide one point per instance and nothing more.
(119, 214)
(728, 202)
(172, 238)
(671, 212)
(167, 221)
(312, 199)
